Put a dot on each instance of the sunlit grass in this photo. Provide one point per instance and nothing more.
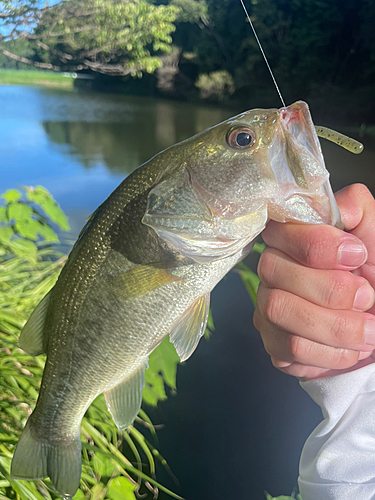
(42, 78)
(29, 267)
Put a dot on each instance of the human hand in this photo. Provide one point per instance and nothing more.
(316, 283)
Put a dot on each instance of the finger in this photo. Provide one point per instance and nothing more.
(305, 372)
(357, 207)
(334, 328)
(317, 246)
(291, 348)
(332, 289)
(308, 372)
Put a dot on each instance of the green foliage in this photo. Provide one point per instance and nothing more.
(105, 36)
(29, 267)
(20, 47)
(24, 221)
(313, 47)
(282, 497)
(162, 370)
(250, 278)
(216, 85)
(190, 11)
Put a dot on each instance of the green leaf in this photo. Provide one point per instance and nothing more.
(54, 212)
(23, 248)
(121, 488)
(3, 214)
(250, 280)
(42, 197)
(210, 326)
(102, 465)
(11, 195)
(162, 369)
(153, 391)
(26, 490)
(79, 495)
(19, 212)
(259, 247)
(48, 233)
(5, 234)
(282, 497)
(28, 228)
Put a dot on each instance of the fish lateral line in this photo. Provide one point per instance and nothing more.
(342, 140)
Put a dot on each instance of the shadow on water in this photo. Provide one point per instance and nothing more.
(236, 426)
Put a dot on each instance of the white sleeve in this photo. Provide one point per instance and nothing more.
(338, 459)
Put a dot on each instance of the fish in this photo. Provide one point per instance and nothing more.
(145, 263)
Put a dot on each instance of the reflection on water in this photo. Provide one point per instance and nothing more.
(122, 146)
(47, 136)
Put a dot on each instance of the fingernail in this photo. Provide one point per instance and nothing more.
(352, 253)
(364, 298)
(370, 332)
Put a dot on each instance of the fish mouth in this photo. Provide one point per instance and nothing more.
(298, 166)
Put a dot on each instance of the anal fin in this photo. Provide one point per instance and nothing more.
(190, 327)
(124, 400)
(31, 338)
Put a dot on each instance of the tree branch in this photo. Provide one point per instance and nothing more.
(37, 64)
(105, 69)
(62, 55)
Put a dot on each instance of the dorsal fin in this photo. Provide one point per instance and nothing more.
(31, 338)
(190, 327)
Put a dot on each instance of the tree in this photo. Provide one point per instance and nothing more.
(106, 36)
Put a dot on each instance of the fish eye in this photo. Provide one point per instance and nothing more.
(240, 138)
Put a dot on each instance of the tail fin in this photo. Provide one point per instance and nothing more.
(60, 461)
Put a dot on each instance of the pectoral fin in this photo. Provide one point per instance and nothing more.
(190, 327)
(31, 338)
(141, 280)
(124, 400)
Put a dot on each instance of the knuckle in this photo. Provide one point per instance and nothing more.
(295, 347)
(316, 247)
(346, 358)
(339, 328)
(360, 191)
(273, 306)
(267, 267)
(345, 331)
(336, 292)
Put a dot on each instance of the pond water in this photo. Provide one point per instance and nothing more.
(236, 426)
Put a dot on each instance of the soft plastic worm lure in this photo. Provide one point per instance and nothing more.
(340, 139)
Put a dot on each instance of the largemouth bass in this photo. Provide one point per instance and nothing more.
(145, 263)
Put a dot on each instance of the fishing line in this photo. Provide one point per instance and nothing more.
(331, 135)
(262, 51)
